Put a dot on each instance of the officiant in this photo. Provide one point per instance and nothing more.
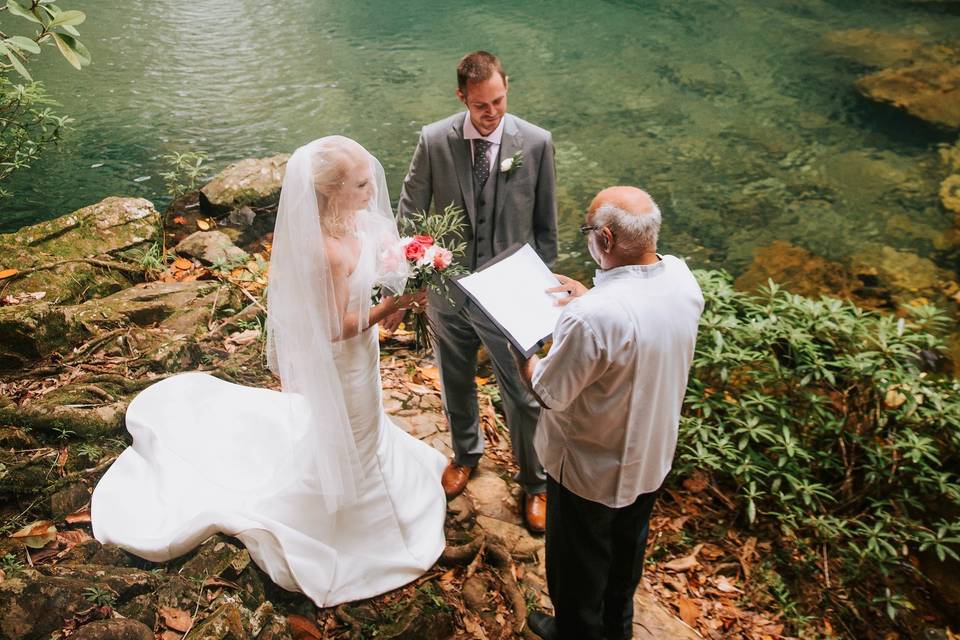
(611, 390)
(499, 169)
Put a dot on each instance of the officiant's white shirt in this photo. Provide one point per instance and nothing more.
(614, 381)
(470, 133)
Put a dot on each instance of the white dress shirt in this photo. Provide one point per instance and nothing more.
(614, 381)
(470, 133)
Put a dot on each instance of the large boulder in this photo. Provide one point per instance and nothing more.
(927, 90)
(111, 228)
(255, 181)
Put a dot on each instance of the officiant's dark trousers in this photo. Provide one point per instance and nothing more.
(458, 334)
(594, 563)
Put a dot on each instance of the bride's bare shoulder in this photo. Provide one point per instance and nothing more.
(336, 256)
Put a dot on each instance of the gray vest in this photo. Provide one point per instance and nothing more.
(483, 224)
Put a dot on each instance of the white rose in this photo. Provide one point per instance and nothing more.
(506, 165)
(427, 258)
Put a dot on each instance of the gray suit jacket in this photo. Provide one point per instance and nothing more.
(526, 204)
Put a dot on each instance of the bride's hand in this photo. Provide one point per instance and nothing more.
(416, 301)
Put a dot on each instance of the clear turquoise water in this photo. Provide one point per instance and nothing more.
(734, 114)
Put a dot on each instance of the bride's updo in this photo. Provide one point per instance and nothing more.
(331, 167)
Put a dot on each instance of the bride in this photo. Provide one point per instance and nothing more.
(329, 496)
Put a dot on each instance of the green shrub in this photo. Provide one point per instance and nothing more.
(824, 420)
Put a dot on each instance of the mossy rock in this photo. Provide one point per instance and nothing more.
(167, 313)
(108, 228)
(217, 556)
(422, 617)
(28, 332)
(226, 623)
(125, 583)
(33, 605)
(255, 181)
(114, 630)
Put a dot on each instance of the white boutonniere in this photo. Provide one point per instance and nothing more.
(511, 164)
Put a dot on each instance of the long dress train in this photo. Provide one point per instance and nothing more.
(209, 456)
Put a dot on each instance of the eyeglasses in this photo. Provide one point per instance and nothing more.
(587, 228)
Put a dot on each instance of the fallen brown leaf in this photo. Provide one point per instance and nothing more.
(697, 482)
(182, 264)
(36, 535)
(303, 629)
(176, 619)
(81, 516)
(179, 220)
(724, 585)
(72, 538)
(418, 389)
(203, 225)
(685, 563)
(7, 273)
(689, 611)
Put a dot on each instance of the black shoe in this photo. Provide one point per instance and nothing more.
(543, 625)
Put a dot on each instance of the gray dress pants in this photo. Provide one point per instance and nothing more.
(457, 336)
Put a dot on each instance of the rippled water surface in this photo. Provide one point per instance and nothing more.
(734, 114)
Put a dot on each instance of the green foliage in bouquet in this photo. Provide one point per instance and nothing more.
(830, 426)
(447, 231)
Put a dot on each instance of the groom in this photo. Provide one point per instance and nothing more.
(499, 169)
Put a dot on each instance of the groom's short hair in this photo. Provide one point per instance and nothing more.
(478, 66)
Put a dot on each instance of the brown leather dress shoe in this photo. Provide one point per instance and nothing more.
(536, 512)
(455, 478)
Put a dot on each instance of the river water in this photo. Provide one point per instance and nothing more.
(735, 115)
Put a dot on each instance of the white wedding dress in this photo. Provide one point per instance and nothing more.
(209, 456)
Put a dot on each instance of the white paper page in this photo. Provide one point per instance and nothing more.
(513, 291)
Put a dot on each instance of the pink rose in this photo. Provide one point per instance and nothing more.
(442, 258)
(414, 250)
(426, 241)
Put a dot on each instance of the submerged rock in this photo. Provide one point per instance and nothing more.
(927, 90)
(797, 270)
(253, 181)
(878, 49)
(950, 195)
(906, 275)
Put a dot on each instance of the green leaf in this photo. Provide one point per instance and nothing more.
(22, 43)
(68, 18)
(17, 9)
(67, 46)
(12, 57)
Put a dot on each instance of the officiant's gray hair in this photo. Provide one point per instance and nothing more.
(633, 231)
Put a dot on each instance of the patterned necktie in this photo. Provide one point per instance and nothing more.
(481, 163)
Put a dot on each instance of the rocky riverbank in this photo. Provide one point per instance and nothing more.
(100, 303)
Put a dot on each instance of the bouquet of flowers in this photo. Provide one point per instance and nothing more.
(431, 245)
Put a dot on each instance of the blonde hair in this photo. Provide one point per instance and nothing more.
(331, 166)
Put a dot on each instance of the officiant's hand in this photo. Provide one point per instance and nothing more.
(573, 289)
